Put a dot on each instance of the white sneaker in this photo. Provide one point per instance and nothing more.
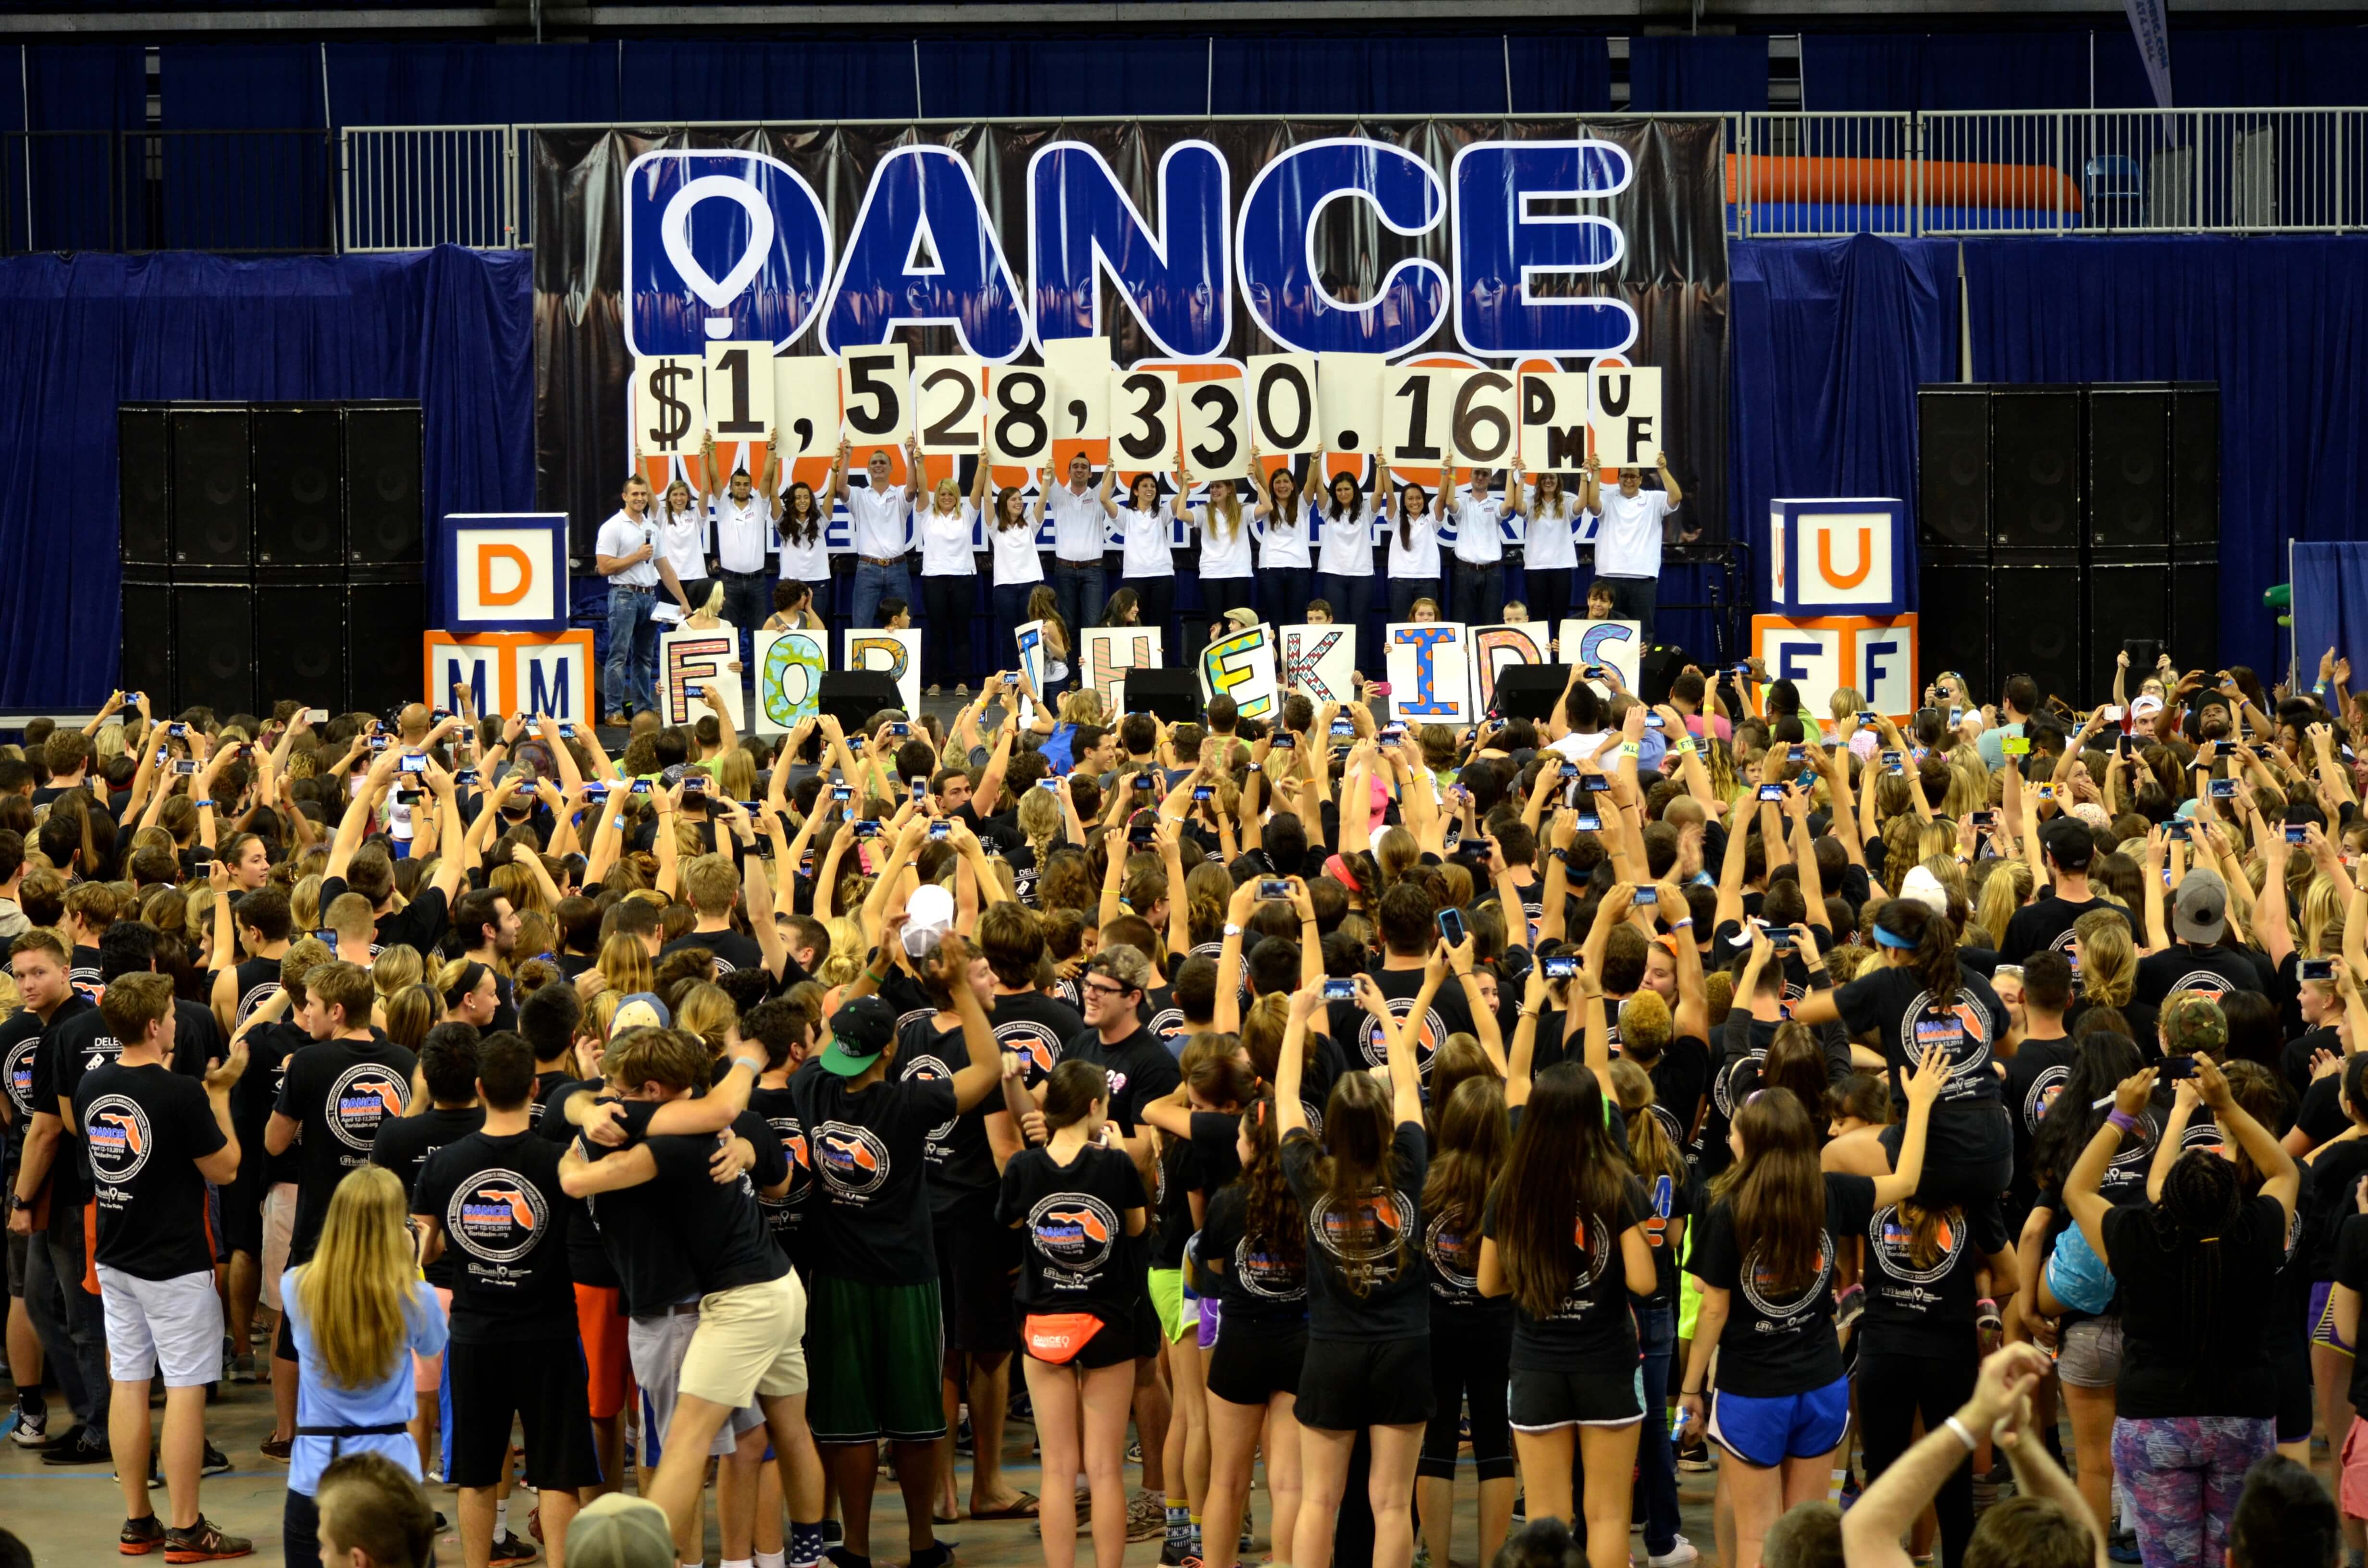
(1681, 1552)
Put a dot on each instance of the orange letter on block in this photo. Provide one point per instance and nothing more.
(486, 556)
(1825, 558)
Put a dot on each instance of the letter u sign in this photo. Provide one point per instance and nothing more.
(1840, 557)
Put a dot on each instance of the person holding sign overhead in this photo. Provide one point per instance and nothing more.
(1628, 546)
(1281, 526)
(1080, 534)
(1555, 525)
(948, 576)
(1148, 565)
(1019, 569)
(627, 552)
(797, 530)
(744, 516)
(1226, 582)
(1414, 550)
(1477, 592)
(882, 529)
(1344, 569)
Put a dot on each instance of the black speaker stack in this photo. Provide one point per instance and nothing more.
(2058, 522)
(272, 549)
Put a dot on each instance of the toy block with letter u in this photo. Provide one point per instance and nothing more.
(1842, 557)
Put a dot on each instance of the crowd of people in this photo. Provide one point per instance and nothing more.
(1283, 545)
(1635, 1089)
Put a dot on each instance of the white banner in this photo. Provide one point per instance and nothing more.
(1618, 643)
(1320, 661)
(689, 660)
(1242, 666)
(1109, 653)
(1431, 671)
(1495, 647)
(894, 653)
(790, 666)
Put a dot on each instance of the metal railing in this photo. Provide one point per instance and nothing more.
(237, 192)
(409, 187)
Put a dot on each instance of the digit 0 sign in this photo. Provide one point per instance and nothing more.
(1282, 404)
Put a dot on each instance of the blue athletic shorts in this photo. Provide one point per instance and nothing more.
(1767, 1432)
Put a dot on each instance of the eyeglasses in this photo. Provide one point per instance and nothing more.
(1108, 990)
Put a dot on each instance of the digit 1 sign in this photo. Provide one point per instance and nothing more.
(1416, 409)
(669, 414)
(740, 403)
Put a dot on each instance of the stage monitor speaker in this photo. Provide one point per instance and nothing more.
(214, 647)
(299, 643)
(1172, 695)
(384, 621)
(1953, 627)
(1526, 692)
(1657, 672)
(2128, 448)
(148, 639)
(385, 522)
(2035, 628)
(213, 500)
(2126, 604)
(300, 497)
(1954, 468)
(2195, 614)
(2035, 468)
(143, 485)
(851, 697)
(2194, 465)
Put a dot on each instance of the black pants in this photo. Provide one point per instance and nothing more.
(1892, 1392)
(1549, 595)
(1284, 593)
(1470, 1353)
(1156, 596)
(1478, 593)
(1219, 594)
(949, 604)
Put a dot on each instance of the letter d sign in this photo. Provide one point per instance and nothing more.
(501, 573)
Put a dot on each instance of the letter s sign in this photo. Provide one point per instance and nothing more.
(1506, 237)
(720, 245)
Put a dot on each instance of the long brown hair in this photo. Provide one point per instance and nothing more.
(789, 529)
(1354, 1168)
(1775, 1193)
(1650, 1148)
(1564, 1166)
(1466, 1155)
(1004, 519)
(1272, 1222)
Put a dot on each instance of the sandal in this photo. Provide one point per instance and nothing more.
(1025, 1508)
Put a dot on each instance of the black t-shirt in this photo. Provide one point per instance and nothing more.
(2174, 1363)
(1365, 1279)
(1591, 1328)
(1038, 1027)
(500, 1201)
(1359, 1033)
(1778, 1341)
(2036, 1075)
(1257, 1285)
(268, 1051)
(963, 1178)
(340, 1090)
(1798, 981)
(2330, 1186)
(682, 1234)
(84, 972)
(870, 1151)
(2321, 1116)
(1140, 1071)
(80, 1043)
(1073, 1220)
(587, 1259)
(1163, 1017)
(145, 1129)
(2183, 966)
(733, 951)
(1680, 1077)
(784, 1215)
(1968, 1126)
(1926, 1309)
(403, 1145)
(1451, 1268)
(419, 924)
(2044, 926)
(20, 1048)
(256, 980)
(2295, 1064)
(2351, 1268)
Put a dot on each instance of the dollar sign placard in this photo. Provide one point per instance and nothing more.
(669, 415)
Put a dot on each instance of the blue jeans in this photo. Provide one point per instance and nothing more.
(1351, 599)
(1284, 593)
(55, 1262)
(1656, 1461)
(873, 583)
(1478, 593)
(1078, 589)
(630, 675)
(1404, 591)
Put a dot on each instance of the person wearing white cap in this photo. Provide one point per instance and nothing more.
(618, 1531)
(2196, 961)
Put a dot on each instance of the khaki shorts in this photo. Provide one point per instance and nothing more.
(657, 1346)
(278, 1235)
(2091, 1354)
(750, 1344)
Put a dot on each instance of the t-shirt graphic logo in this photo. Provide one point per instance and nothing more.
(1457, 1258)
(1167, 1022)
(1267, 1274)
(117, 1132)
(853, 1159)
(932, 1070)
(495, 1216)
(19, 1072)
(362, 1097)
(1427, 1037)
(1363, 1234)
(1073, 1231)
(1759, 1284)
(2042, 1098)
(1960, 1027)
(2203, 982)
(1892, 1238)
(1039, 1048)
(801, 1156)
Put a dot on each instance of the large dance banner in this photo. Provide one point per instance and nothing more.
(949, 268)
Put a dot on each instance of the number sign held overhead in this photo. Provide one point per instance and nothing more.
(1483, 424)
(1080, 369)
(740, 403)
(1216, 441)
(1417, 408)
(1349, 392)
(1144, 422)
(1284, 419)
(669, 414)
(1625, 409)
(806, 416)
(873, 397)
(950, 404)
(1019, 414)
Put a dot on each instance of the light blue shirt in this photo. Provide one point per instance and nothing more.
(387, 1402)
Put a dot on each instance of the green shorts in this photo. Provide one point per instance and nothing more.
(1177, 1315)
(875, 1358)
(1690, 1290)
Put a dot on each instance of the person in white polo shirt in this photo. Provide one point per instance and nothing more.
(1081, 531)
(627, 551)
(881, 524)
(1475, 528)
(743, 517)
(1628, 545)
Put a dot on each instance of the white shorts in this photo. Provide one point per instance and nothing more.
(656, 1346)
(174, 1324)
(278, 1235)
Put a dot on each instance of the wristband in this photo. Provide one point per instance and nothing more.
(202, 804)
(2123, 1120)
(1682, 747)
(1630, 748)
(1232, 929)
(1681, 925)
(1964, 1435)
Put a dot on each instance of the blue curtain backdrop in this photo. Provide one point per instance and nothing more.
(1828, 342)
(83, 334)
(2288, 67)
(2331, 602)
(1679, 74)
(2280, 322)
